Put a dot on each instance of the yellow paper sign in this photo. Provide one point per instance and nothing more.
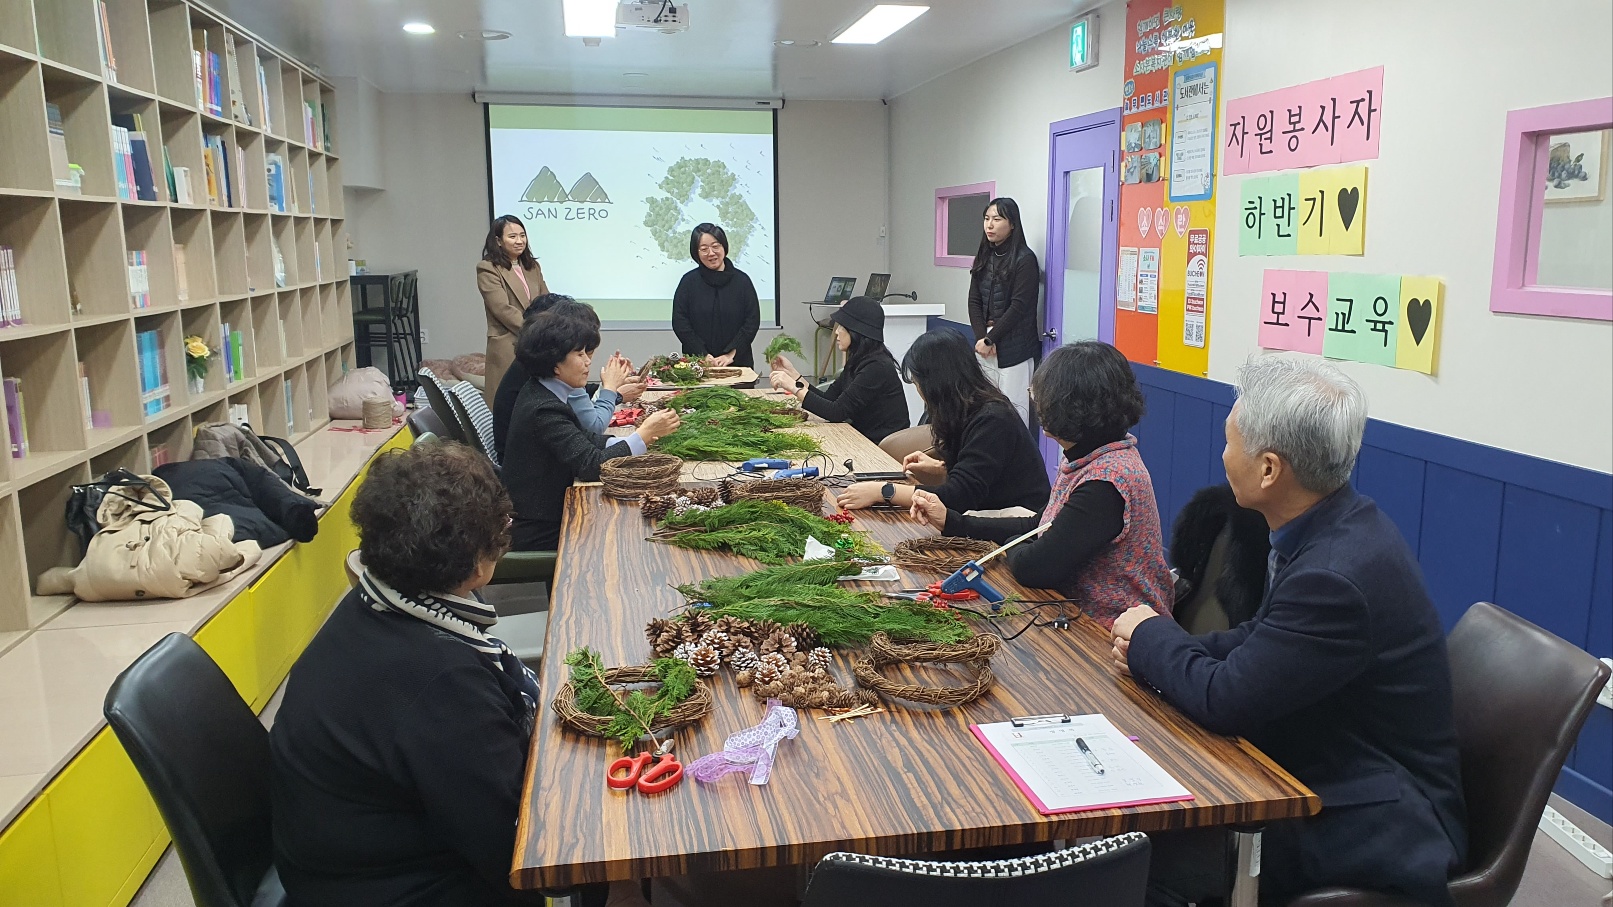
(1422, 300)
(1331, 212)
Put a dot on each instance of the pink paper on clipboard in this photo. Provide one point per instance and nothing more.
(1077, 762)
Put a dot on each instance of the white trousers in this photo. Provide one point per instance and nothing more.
(1014, 382)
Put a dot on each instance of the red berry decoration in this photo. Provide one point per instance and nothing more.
(842, 517)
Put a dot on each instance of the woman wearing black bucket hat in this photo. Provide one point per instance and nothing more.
(868, 393)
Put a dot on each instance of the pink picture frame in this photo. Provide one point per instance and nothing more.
(1513, 288)
(942, 196)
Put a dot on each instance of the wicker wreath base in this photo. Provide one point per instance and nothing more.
(806, 494)
(938, 553)
(631, 478)
(696, 707)
(975, 653)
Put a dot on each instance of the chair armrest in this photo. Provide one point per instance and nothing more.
(1351, 897)
(525, 567)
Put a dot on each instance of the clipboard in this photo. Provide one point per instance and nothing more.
(1074, 763)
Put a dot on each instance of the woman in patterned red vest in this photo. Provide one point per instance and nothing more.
(1103, 549)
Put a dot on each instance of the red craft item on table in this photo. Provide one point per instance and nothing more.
(627, 415)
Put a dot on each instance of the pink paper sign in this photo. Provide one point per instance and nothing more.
(1293, 310)
(1329, 121)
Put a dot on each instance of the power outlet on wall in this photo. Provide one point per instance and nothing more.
(425, 335)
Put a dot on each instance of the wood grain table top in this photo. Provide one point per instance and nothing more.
(904, 781)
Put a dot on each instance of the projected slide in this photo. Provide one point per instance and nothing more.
(609, 196)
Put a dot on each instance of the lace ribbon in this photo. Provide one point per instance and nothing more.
(750, 750)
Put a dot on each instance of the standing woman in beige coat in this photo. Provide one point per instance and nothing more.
(509, 279)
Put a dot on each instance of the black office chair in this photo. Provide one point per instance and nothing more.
(1521, 696)
(379, 326)
(1112, 872)
(438, 400)
(205, 758)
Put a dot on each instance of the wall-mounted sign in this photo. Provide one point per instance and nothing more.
(1084, 43)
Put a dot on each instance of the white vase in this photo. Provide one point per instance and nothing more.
(198, 386)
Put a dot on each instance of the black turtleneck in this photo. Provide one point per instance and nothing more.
(1093, 516)
(717, 311)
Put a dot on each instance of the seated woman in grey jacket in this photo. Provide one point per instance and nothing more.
(548, 448)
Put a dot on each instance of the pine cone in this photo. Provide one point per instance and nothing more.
(781, 642)
(666, 642)
(656, 628)
(743, 678)
(656, 507)
(704, 495)
(820, 658)
(705, 661)
(805, 636)
(766, 674)
(744, 658)
(684, 651)
(762, 629)
(696, 622)
(779, 662)
(718, 640)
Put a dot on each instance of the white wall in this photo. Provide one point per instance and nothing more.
(432, 217)
(1540, 386)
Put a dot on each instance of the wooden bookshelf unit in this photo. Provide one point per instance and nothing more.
(112, 270)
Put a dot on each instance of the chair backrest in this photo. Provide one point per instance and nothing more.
(423, 440)
(899, 444)
(466, 426)
(205, 758)
(425, 420)
(409, 298)
(1112, 872)
(1521, 697)
(438, 398)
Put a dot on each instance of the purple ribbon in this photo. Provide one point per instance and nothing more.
(750, 750)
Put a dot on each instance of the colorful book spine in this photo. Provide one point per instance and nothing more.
(10, 299)
(103, 37)
(139, 280)
(215, 84)
(229, 358)
(238, 367)
(263, 98)
(16, 423)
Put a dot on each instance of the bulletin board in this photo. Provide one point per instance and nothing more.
(1169, 143)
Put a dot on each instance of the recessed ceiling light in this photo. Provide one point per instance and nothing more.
(419, 28)
(486, 34)
(635, 75)
(590, 18)
(879, 23)
(791, 42)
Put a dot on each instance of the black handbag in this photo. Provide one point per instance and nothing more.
(84, 503)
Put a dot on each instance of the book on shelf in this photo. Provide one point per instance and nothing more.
(16, 418)
(183, 193)
(135, 155)
(10, 300)
(279, 262)
(196, 73)
(121, 170)
(224, 350)
(319, 268)
(284, 357)
(161, 456)
(60, 166)
(154, 390)
(263, 98)
(324, 130)
(84, 396)
(313, 206)
(308, 124)
(276, 175)
(215, 84)
(103, 37)
(238, 111)
(291, 408)
(237, 191)
(181, 275)
(220, 188)
(139, 280)
(238, 367)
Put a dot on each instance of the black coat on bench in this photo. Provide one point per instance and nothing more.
(263, 507)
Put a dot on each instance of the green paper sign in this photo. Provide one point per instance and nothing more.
(1266, 215)
(1363, 318)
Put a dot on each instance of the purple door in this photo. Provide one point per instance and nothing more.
(1083, 236)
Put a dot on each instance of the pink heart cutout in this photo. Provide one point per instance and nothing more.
(1144, 218)
(1161, 218)
(1183, 218)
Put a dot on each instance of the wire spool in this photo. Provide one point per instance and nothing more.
(939, 553)
(377, 412)
(696, 707)
(974, 654)
(806, 494)
(631, 478)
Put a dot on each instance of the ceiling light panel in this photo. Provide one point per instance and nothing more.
(419, 28)
(879, 23)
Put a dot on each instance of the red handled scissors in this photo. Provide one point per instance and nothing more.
(649, 779)
(934, 595)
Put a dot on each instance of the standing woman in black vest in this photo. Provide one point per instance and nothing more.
(715, 312)
(1003, 284)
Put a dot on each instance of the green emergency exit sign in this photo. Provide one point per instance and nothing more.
(1083, 43)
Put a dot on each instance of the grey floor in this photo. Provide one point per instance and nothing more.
(1554, 877)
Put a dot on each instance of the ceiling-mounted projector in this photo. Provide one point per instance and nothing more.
(656, 15)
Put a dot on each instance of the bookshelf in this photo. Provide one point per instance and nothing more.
(135, 210)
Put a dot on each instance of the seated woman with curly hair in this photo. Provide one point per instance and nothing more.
(1104, 548)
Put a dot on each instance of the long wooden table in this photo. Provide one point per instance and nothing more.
(904, 781)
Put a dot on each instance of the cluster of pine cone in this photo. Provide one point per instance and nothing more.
(655, 507)
(776, 662)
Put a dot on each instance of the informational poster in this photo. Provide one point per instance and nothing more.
(1197, 294)
(1387, 320)
(1309, 212)
(1148, 281)
(1169, 160)
(1329, 121)
(1126, 289)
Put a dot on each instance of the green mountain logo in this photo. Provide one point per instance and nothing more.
(546, 188)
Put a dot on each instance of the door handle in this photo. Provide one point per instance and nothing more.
(1051, 334)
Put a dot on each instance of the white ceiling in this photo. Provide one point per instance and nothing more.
(728, 51)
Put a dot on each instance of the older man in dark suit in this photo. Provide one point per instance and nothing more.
(1341, 676)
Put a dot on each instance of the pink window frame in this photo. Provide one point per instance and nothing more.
(1517, 233)
(941, 197)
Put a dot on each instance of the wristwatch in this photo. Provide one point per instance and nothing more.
(887, 491)
(800, 384)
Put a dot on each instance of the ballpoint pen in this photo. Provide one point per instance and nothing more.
(1092, 758)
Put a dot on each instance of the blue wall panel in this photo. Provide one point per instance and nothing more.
(1461, 539)
(1533, 536)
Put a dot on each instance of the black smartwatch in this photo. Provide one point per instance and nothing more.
(887, 491)
(800, 384)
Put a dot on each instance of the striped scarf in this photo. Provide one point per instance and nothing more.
(464, 619)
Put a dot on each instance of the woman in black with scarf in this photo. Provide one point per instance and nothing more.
(715, 312)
